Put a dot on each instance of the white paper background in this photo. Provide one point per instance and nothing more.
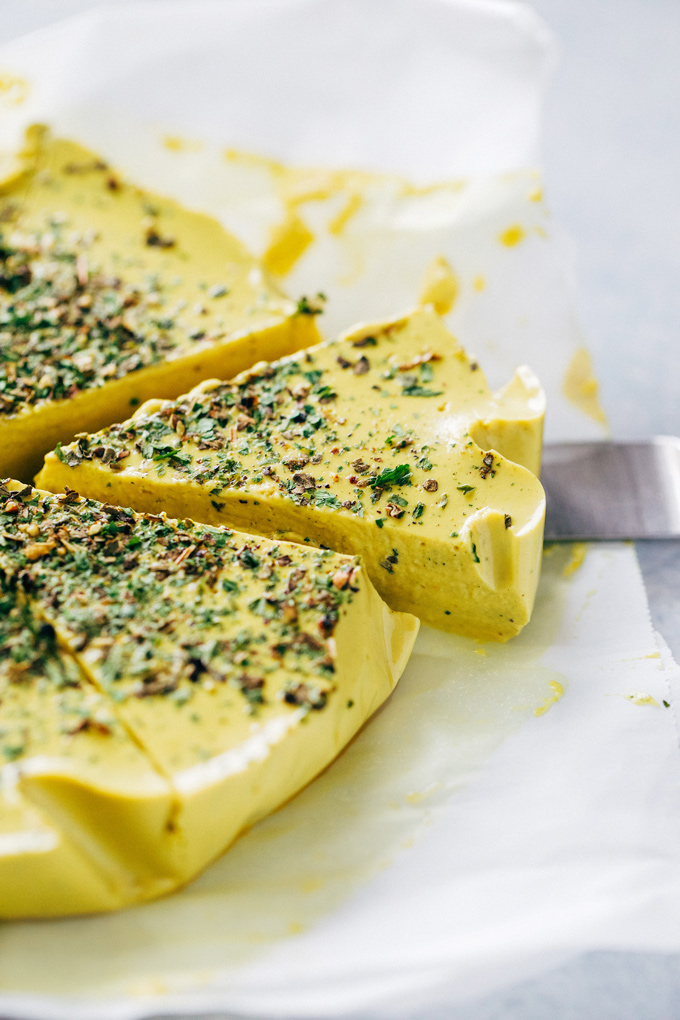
(461, 842)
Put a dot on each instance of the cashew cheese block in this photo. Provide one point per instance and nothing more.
(387, 443)
(164, 685)
(110, 294)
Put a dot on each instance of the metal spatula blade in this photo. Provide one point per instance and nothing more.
(612, 490)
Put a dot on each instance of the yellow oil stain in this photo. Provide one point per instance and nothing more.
(638, 698)
(512, 236)
(479, 283)
(175, 143)
(287, 243)
(298, 185)
(421, 190)
(418, 796)
(541, 231)
(355, 261)
(481, 651)
(339, 222)
(536, 195)
(557, 691)
(253, 159)
(580, 386)
(440, 286)
(13, 90)
(577, 556)
(295, 928)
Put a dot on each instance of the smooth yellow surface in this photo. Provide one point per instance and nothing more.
(108, 798)
(189, 271)
(462, 554)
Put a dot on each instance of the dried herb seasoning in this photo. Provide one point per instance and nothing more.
(65, 326)
(160, 606)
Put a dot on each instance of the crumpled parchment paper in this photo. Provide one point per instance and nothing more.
(512, 804)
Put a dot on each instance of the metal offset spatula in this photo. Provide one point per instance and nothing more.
(612, 490)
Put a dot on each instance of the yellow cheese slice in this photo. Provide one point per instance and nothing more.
(110, 295)
(65, 754)
(163, 685)
(42, 874)
(387, 443)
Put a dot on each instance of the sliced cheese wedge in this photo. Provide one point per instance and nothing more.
(110, 294)
(387, 443)
(78, 794)
(42, 874)
(164, 685)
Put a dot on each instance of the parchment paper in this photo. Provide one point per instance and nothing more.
(482, 826)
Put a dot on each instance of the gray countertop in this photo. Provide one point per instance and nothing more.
(612, 162)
